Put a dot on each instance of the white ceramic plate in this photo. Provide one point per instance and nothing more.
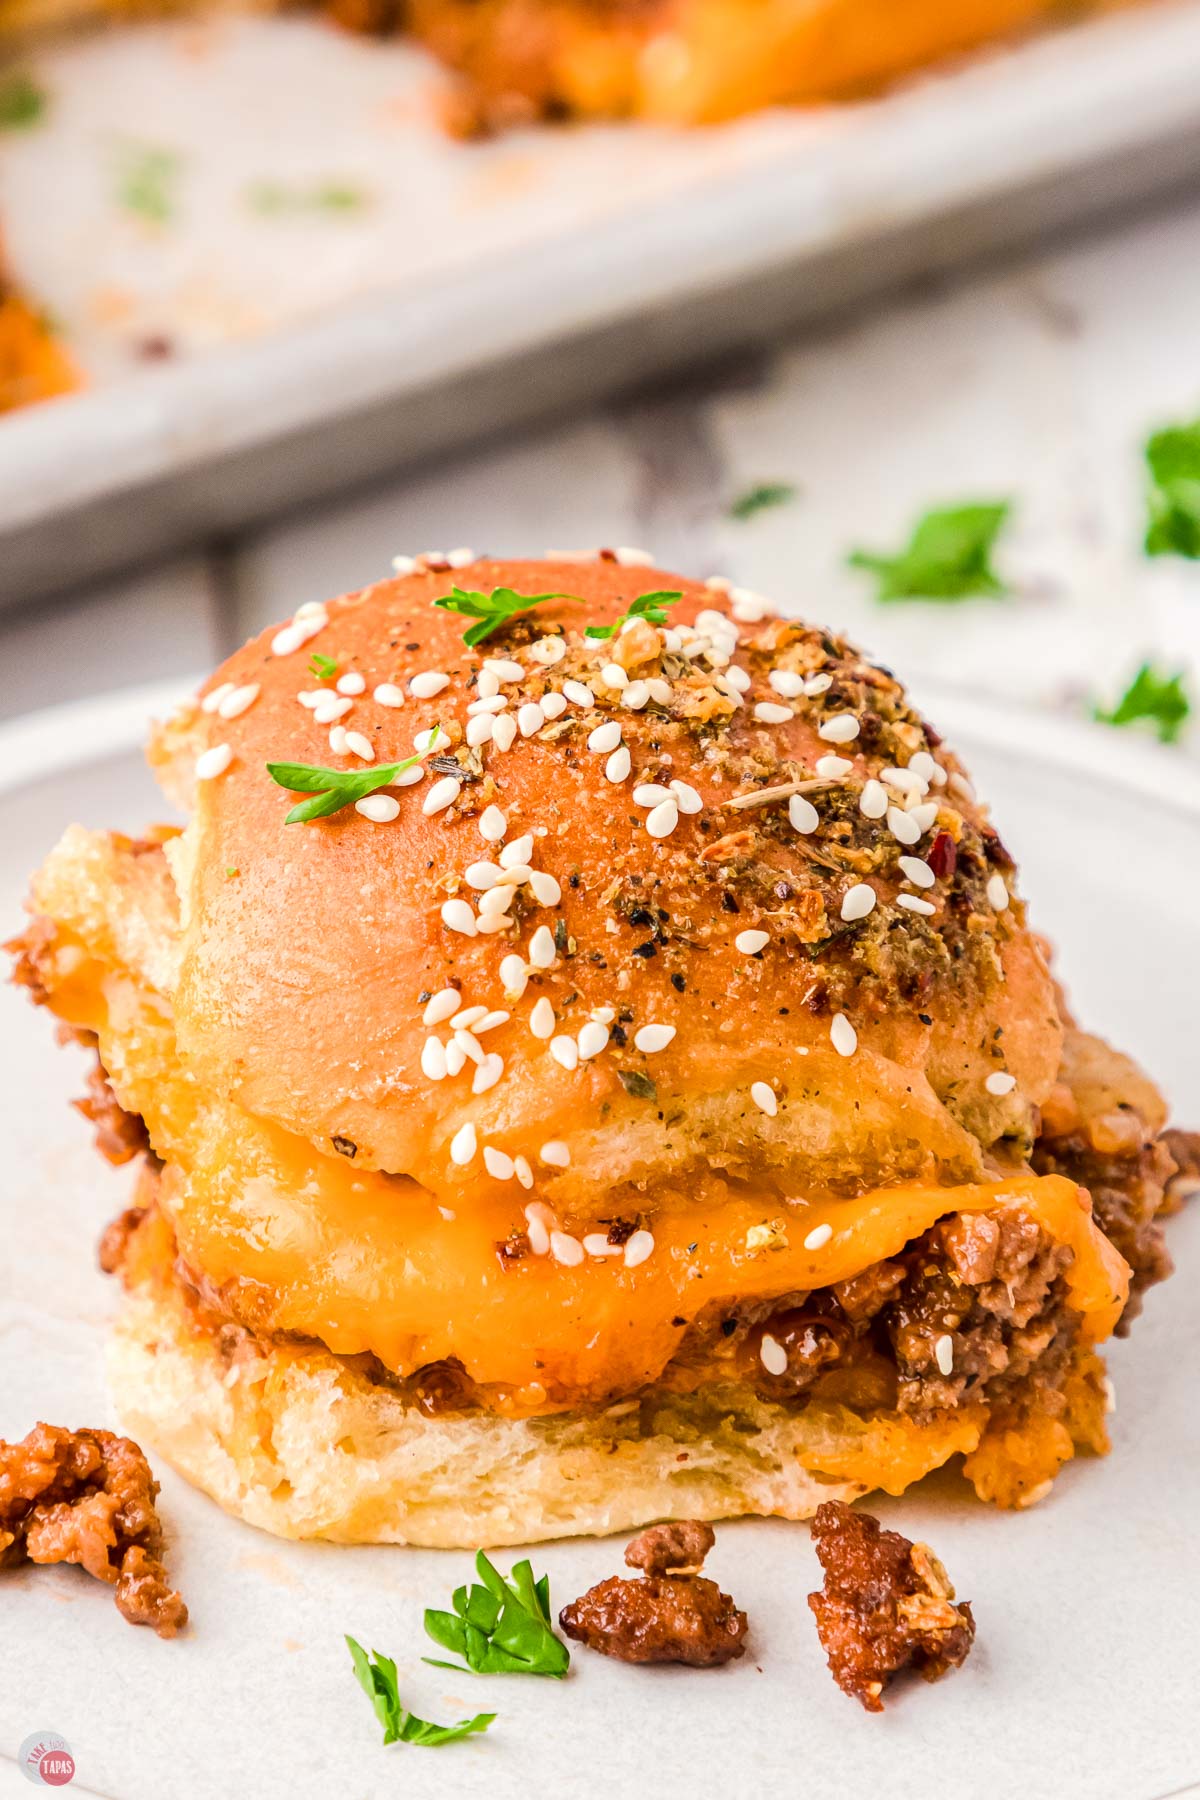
(1081, 1686)
(482, 284)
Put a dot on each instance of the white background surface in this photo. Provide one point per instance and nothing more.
(1082, 1683)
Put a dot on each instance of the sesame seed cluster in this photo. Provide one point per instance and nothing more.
(780, 798)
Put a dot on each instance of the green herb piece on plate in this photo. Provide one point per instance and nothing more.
(1151, 698)
(376, 1676)
(651, 607)
(502, 1627)
(1173, 462)
(23, 101)
(761, 498)
(948, 556)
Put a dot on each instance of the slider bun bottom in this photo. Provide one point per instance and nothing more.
(300, 1443)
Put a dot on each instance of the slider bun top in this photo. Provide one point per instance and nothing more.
(308, 951)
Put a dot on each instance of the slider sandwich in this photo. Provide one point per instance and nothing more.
(588, 1063)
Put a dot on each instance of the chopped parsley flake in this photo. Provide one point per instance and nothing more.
(376, 1676)
(948, 556)
(23, 101)
(501, 1628)
(1153, 699)
(1173, 463)
(147, 181)
(761, 498)
(323, 667)
(491, 611)
(276, 198)
(652, 607)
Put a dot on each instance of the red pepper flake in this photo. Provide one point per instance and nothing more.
(943, 855)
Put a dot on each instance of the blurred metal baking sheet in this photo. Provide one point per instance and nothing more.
(283, 280)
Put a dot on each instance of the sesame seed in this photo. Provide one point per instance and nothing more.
(858, 901)
(914, 903)
(457, 916)
(492, 825)
(592, 1039)
(605, 737)
(631, 558)
(504, 669)
(504, 732)
(337, 740)
(480, 730)
(519, 851)
(663, 818)
(536, 1232)
(464, 1020)
(469, 1045)
(404, 565)
(997, 893)
(491, 703)
(943, 1351)
(749, 608)
(523, 1171)
(433, 1059)
(818, 1237)
(751, 942)
(903, 826)
(239, 701)
(566, 1249)
(771, 712)
(686, 797)
(516, 875)
(638, 1248)
(873, 801)
(541, 948)
(922, 764)
(772, 1355)
(842, 728)
(329, 707)
(652, 1038)
(1035, 1494)
(483, 875)
(739, 679)
(514, 976)
(361, 746)
(297, 634)
(803, 815)
(548, 651)
(817, 684)
(925, 815)
(541, 1019)
(381, 809)
(617, 768)
(497, 1164)
(530, 718)
(763, 1097)
(456, 1058)
(458, 559)
(489, 1021)
(636, 695)
(353, 683)
(961, 786)
(440, 795)
(649, 793)
(556, 1153)
(487, 686)
(388, 694)
(596, 1244)
(660, 690)
(907, 780)
(842, 1035)
(408, 777)
(213, 762)
(918, 871)
(614, 676)
(720, 584)
(425, 740)
(553, 705)
(830, 768)
(463, 1145)
(544, 888)
(443, 1006)
(565, 1052)
(487, 1074)
(427, 684)
(212, 701)
(579, 693)
(1000, 1082)
(786, 682)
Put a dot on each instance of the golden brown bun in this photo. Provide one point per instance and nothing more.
(301, 975)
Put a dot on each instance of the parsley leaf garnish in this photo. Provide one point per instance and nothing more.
(275, 197)
(1173, 461)
(493, 610)
(22, 101)
(647, 606)
(377, 1679)
(323, 667)
(1159, 699)
(334, 788)
(948, 556)
(501, 1628)
(758, 499)
(146, 181)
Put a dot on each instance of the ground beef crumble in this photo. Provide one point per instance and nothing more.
(87, 1497)
(886, 1604)
(665, 1617)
